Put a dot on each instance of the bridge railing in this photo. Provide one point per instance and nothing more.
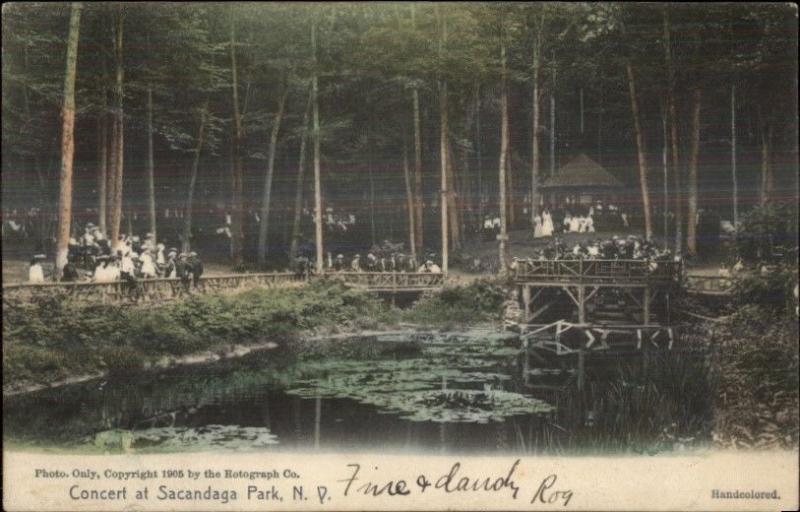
(603, 270)
(715, 285)
(389, 280)
(148, 289)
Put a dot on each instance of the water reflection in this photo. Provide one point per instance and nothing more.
(472, 392)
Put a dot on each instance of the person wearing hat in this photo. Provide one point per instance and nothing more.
(169, 267)
(196, 267)
(338, 264)
(35, 271)
(355, 265)
(183, 270)
(372, 262)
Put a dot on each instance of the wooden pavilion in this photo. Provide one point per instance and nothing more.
(581, 181)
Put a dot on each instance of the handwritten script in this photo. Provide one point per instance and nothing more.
(457, 480)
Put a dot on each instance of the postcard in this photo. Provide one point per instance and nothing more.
(400, 256)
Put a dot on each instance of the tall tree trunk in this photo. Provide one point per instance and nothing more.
(237, 189)
(444, 131)
(581, 102)
(67, 141)
(187, 218)
(691, 228)
(453, 210)
(673, 123)
(535, 131)
(317, 178)
(553, 118)
(734, 178)
(677, 181)
(371, 176)
(465, 191)
(418, 196)
(111, 177)
(301, 169)
(479, 151)
(151, 186)
(102, 165)
(409, 203)
(503, 155)
(640, 151)
(263, 228)
(119, 136)
(665, 166)
(767, 182)
(510, 196)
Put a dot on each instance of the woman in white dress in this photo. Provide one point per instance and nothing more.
(148, 266)
(574, 224)
(35, 272)
(537, 226)
(547, 223)
(589, 224)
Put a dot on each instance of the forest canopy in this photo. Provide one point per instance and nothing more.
(259, 111)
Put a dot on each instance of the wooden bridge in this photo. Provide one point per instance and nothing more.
(161, 289)
(390, 281)
(604, 291)
(713, 286)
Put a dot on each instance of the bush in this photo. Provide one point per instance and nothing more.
(765, 234)
(773, 290)
(480, 301)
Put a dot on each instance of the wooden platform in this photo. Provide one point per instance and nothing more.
(638, 291)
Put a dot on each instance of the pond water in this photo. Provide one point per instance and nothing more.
(467, 392)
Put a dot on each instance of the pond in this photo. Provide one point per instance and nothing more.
(469, 392)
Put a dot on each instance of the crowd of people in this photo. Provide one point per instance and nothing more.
(569, 218)
(615, 248)
(91, 257)
(384, 257)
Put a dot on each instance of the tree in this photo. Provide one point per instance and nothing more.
(673, 132)
(298, 198)
(691, 228)
(641, 152)
(263, 230)
(444, 132)
(117, 131)
(237, 201)
(317, 177)
(201, 139)
(67, 140)
(503, 166)
(536, 104)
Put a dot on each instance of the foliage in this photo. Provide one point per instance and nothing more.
(772, 290)
(479, 301)
(765, 231)
(756, 369)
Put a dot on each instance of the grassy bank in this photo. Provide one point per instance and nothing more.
(52, 339)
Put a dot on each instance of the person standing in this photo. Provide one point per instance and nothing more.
(196, 266)
(35, 271)
(148, 265)
(70, 272)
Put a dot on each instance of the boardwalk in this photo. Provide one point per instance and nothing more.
(161, 289)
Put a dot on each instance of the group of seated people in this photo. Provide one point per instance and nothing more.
(615, 248)
(384, 257)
